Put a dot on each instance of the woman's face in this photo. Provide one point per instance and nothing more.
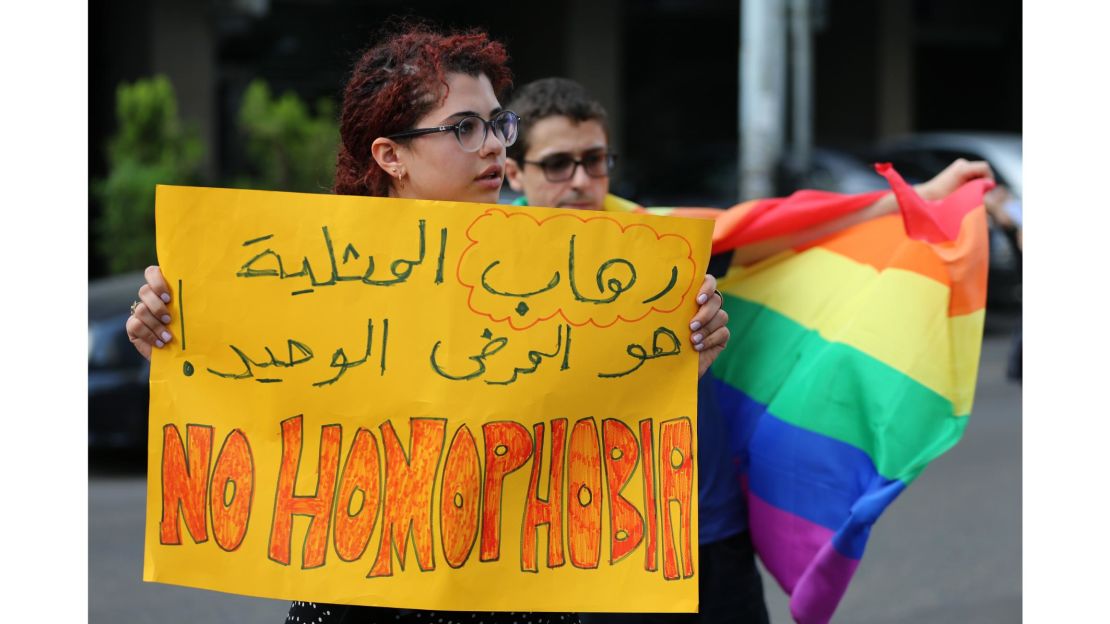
(435, 165)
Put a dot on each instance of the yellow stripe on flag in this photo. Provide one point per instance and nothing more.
(896, 316)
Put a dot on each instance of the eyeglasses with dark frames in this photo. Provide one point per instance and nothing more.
(471, 131)
(561, 167)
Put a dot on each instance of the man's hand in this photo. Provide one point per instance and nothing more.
(953, 177)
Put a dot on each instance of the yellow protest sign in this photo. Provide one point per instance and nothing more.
(425, 404)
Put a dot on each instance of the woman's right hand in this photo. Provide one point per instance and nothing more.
(147, 327)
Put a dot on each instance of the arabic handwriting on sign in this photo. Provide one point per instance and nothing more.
(249, 364)
(612, 285)
(339, 358)
(494, 345)
(535, 357)
(638, 352)
(399, 274)
(268, 263)
(303, 353)
(490, 289)
(667, 288)
(442, 253)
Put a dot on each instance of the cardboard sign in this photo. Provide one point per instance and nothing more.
(425, 404)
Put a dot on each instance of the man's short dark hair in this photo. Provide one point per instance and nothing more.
(550, 97)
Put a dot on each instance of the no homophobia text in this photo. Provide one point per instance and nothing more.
(422, 404)
(449, 494)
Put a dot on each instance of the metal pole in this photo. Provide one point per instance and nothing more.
(801, 34)
(762, 95)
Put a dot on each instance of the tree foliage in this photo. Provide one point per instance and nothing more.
(151, 147)
(289, 148)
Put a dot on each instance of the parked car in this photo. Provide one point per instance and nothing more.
(715, 184)
(919, 157)
(840, 172)
(118, 375)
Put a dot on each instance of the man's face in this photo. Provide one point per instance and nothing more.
(557, 138)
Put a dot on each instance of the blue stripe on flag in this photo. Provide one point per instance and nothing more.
(823, 480)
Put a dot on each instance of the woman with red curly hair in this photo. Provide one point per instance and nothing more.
(404, 85)
(421, 119)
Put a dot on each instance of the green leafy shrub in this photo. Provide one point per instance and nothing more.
(151, 147)
(289, 148)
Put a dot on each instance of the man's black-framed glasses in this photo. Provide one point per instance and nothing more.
(597, 163)
(472, 131)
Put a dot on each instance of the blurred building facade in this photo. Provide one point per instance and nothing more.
(668, 71)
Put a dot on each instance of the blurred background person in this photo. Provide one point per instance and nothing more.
(562, 158)
(1005, 211)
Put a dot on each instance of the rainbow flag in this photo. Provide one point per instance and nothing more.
(851, 365)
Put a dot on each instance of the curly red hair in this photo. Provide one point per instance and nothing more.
(397, 82)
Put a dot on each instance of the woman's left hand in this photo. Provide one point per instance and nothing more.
(709, 327)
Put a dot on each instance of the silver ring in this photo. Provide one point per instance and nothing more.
(134, 304)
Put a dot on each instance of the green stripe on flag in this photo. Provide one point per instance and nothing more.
(836, 390)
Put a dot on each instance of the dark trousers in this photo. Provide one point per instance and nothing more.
(730, 588)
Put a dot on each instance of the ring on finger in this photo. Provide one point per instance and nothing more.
(134, 304)
(720, 294)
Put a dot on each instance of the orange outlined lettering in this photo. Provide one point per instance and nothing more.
(459, 497)
(647, 446)
(584, 495)
(508, 446)
(549, 511)
(318, 506)
(232, 491)
(396, 483)
(409, 486)
(676, 482)
(359, 497)
(185, 482)
(626, 525)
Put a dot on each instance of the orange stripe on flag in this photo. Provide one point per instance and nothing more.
(882, 243)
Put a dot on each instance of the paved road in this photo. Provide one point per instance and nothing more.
(948, 550)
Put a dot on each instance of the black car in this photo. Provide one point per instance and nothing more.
(118, 376)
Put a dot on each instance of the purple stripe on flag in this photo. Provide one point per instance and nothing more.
(786, 543)
(821, 587)
(825, 481)
(800, 555)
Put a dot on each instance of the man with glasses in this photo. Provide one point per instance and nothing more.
(561, 158)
